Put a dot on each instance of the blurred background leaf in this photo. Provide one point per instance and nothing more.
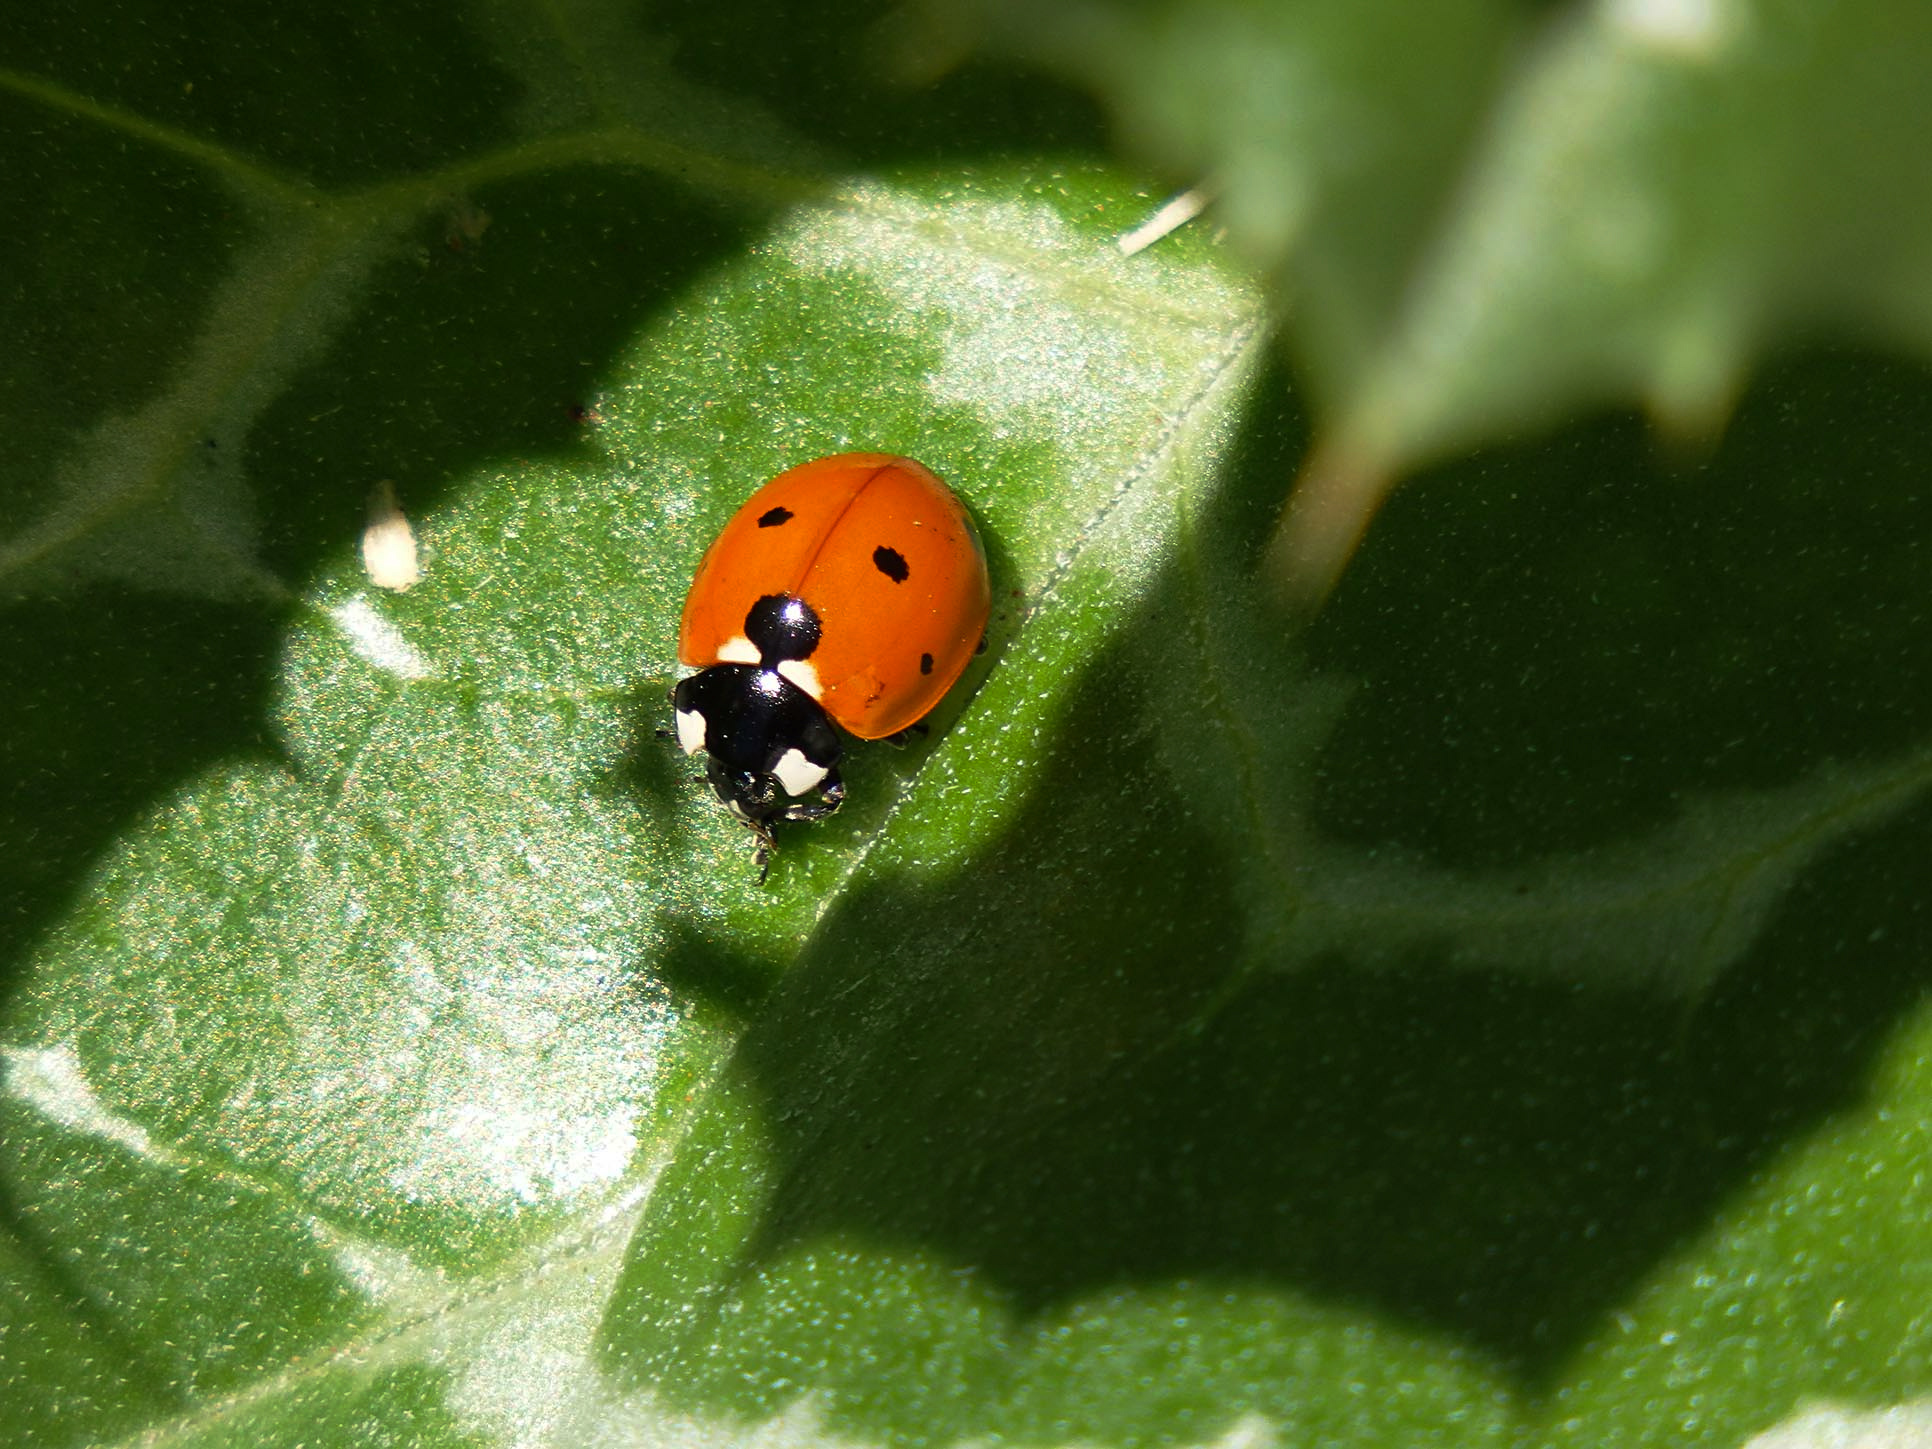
(1493, 1011)
(1483, 216)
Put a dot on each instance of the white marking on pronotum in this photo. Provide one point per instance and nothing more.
(1172, 216)
(388, 542)
(738, 650)
(801, 673)
(376, 641)
(690, 731)
(798, 774)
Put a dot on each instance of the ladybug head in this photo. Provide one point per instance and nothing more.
(774, 752)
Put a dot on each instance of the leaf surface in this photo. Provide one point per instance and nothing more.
(1493, 1014)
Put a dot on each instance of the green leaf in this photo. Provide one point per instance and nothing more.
(1329, 137)
(1486, 216)
(1495, 1013)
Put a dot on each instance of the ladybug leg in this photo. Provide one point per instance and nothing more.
(911, 732)
(762, 853)
(831, 796)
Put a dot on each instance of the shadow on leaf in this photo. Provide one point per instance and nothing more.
(988, 1112)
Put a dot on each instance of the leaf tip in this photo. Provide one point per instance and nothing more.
(1693, 391)
(1328, 513)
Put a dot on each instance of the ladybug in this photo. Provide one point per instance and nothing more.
(847, 592)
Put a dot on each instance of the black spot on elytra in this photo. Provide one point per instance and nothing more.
(891, 563)
(925, 664)
(772, 517)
